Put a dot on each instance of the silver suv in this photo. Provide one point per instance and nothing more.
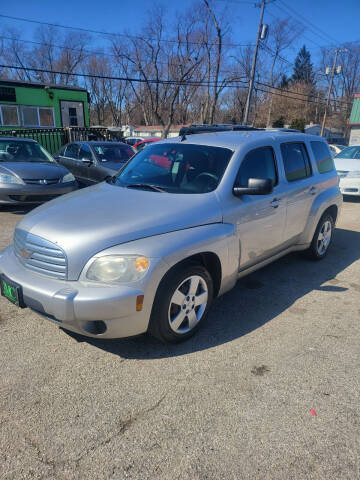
(183, 220)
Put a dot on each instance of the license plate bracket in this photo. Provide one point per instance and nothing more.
(12, 291)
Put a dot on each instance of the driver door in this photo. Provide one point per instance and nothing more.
(259, 219)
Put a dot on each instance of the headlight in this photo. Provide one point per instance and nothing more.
(6, 178)
(116, 268)
(69, 177)
(355, 174)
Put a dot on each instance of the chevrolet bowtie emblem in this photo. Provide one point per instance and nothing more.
(24, 253)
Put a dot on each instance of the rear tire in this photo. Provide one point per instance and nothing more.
(181, 303)
(322, 238)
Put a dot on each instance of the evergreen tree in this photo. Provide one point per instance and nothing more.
(284, 81)
(303, 68)
(279, 122)
(298, 124)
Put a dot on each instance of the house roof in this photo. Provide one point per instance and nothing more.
(151, 128)
(21, 83)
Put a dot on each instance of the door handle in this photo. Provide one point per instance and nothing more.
(275, 202)
(313, 190)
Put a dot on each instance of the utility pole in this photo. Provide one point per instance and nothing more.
(253, 66)
(337, 51)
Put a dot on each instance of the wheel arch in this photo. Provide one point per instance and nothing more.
(207, 259)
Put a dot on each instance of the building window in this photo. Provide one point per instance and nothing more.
(7, 94)
(30, 116)
(46, 117)
(38, 117)
(73, 117)
(9, 116)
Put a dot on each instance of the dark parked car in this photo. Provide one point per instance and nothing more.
(29, 174)
(93, 162)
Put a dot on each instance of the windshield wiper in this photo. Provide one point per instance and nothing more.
(146, 185)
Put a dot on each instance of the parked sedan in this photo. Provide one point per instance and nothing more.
(347, 164)
(336, 149)
(93, 162)
(29, 174)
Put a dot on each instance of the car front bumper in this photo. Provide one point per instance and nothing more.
(349, 186)
(94, 310)
(23, 194)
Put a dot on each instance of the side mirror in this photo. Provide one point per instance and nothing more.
(256, 186)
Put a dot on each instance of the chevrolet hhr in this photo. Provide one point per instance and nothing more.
(177, 226)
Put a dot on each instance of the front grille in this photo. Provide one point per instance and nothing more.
(40, 255)
(41, 181)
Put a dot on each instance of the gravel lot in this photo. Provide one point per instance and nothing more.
(232, 403)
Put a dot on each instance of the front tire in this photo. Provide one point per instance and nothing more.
(322, 238)
(181, 303)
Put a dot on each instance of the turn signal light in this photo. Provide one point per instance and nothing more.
(139, 302)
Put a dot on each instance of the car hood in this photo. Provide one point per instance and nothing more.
(88, 221)
(35, 170)
(347, 164)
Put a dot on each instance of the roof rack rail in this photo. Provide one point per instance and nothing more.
(216, 127)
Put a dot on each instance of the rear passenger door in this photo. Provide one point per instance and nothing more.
(68, 157)
(300, 187)
(88, 170)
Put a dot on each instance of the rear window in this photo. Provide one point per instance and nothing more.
(113, 152)
(296, 161)
(322, 156)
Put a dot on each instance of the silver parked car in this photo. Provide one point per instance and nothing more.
(29, 174)
(175, 228)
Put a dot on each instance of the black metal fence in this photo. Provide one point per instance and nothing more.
(53, 138)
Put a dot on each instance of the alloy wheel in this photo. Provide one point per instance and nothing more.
(188, 304)
(324, 237)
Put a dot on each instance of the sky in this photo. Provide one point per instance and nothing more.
(333, 22)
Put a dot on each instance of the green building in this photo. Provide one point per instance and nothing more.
(355, 121)
(28, 105)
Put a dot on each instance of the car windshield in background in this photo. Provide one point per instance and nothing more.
(176, 168)
(350, 152)
(13, 151)
(106, 152)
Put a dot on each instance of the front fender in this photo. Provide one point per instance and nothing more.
(173, 247)
(322, 202)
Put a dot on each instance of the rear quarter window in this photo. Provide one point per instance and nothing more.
(322, 156)
(296, 161)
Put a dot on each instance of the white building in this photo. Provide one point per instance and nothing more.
(149, 131)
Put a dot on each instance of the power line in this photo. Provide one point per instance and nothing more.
(306, 96)
(64, 47)
(316, 28)
(125, 79)
(111, 34)
(166, 82)
(287, 96)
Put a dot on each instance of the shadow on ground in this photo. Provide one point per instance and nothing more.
(17, 209)
(255, 300)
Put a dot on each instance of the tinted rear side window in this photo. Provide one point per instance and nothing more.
(72, 150)
(322, 156)
(296, 161)
(259, 163)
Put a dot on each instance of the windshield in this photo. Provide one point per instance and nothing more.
(176, 168)
(18, 151)
(110, 152)
(350, 152)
